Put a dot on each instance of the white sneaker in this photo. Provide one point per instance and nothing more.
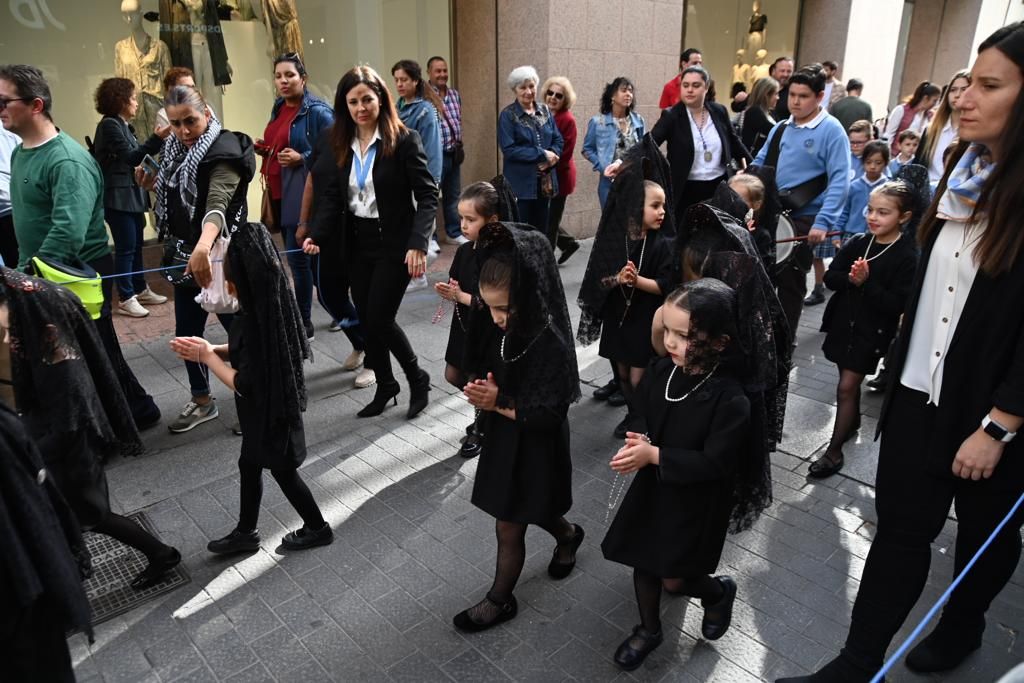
(461, 239)
(417, 283)
(132, 308)
(354, 360)
(365, 378)
(150, 298)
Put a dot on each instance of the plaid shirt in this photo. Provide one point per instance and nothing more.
(450, 132)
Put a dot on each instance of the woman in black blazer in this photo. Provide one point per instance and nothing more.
(701, 142)
(367, 170)
(956, 401)
(756, 121)
(124, 202)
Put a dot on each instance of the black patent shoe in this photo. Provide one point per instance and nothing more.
(617, 399)
(824, 467)
(236, 542)
(471, 446)
(560, 570)
(634, 650)
(386, 392)
(814, 298)
(503, 612)
(567, 252)
(303, 538)
(718, 616)
(156, 569)
(602, 393)
(879, 382)
(419, 394)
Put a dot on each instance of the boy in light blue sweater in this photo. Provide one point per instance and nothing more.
(813, 144)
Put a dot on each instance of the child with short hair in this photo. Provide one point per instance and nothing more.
(751, 190)
(478, 206)
(860, 133)
(908, 141)
(872, 276)
(852, 221)
(266, 347)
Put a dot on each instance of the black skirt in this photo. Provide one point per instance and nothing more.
(464, 270)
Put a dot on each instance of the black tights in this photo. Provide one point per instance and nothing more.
(131, 534)
(295, 490)
(847, 412)
(629, 379)
(511, 557)
(454, 376)
(648, 595)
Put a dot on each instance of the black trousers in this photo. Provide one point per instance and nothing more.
(294, 489)
(559, 237)
(8, 242)
(791, 276)
(913, 495)
(379, 279)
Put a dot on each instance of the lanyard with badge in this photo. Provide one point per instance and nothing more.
(363, 170)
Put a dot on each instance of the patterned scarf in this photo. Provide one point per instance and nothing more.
(179, 166)
(965, 183)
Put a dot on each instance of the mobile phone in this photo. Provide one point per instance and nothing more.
(150, 165)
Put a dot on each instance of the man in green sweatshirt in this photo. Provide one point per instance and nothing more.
(57, 202)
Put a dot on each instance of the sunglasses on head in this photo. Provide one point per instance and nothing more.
(556, 95)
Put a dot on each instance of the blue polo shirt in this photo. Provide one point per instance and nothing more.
(807, 150)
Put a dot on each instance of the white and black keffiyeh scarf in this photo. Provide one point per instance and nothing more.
(179, 166)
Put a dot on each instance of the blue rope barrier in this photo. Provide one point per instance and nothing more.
(896, 656)
(153, 270)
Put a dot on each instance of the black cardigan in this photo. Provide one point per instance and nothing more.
(755, 121)
(118, 153)
(674, 127)
(397, 179)
(984, 366)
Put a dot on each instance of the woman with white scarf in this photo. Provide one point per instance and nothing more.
(205, 172)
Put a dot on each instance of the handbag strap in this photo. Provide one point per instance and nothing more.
(772, 157)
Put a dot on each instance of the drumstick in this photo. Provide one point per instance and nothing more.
(801, 239)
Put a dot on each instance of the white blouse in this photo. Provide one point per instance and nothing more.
(702, 169)
(948, 279)
(936, 168)
(363, 202)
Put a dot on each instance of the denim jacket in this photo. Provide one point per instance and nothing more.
(313, 116)
(523, 142)
(602, 136)
(421, 116)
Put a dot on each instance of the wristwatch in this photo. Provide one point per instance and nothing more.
(996, 430)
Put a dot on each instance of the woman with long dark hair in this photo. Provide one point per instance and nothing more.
(613, 132)
(296, 120)
(950, 419)
(942, 131)
(913, 114)
(367, 171)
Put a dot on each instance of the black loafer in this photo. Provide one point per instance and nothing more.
(155, 570)
(629, 658)
(814, 298)
(236, 542)
(560, 570)
(718, 616)
(602, 393)
(508, 610)
(824, 467)
(303, 538)
(617, 399)
(567, 252)
(471, 447)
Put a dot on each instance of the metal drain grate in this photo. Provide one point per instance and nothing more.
(114, 565)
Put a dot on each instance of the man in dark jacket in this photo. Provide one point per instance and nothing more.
(851, 108)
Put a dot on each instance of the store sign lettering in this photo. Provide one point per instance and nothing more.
(189, 28)
(30, 14)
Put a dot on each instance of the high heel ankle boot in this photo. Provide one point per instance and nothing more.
(419, 392)
(386, 392)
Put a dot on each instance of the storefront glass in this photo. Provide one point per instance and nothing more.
(762, 29)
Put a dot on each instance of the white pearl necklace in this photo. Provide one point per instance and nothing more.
(687, 394)
(533, 341)
(887, 248)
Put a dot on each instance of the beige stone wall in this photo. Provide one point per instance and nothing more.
(589, 41)
(937, 46)
(824, 30)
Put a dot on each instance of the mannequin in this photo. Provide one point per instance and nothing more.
(760, 69)
(143, 60)
(741, 71)
(202, 51)
(281, 19)
(756, 34)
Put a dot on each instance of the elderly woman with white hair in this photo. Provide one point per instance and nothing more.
(530, 146)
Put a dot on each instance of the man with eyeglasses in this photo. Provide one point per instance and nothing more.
(57, 203)
(450, 119)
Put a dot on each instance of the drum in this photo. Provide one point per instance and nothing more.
(785, 230)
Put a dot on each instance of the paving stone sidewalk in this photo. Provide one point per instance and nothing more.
(411, 550)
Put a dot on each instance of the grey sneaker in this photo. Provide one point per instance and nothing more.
(193, 415)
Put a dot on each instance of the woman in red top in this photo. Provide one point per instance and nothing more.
(560, 96)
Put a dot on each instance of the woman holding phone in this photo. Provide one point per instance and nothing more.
(124, 202)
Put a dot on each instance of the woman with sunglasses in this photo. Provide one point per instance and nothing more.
(559, 95)
(296, 120)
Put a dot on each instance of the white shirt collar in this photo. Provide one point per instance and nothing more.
(813, 123)
(881, 179)
(355, 142)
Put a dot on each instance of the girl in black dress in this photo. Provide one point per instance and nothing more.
(871, 276)
(478, 206)
(522, 356)
(266, 347)
(686, 441)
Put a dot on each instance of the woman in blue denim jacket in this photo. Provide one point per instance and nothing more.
(418, 109)
(611, 133)
(530, 148)
(296, 120)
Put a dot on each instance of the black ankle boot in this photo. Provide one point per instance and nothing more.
(839, 670)
(947, 646)
(386, 391)
(419, 393)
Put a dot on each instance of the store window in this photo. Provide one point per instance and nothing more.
(739, 39)
(77, 44)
